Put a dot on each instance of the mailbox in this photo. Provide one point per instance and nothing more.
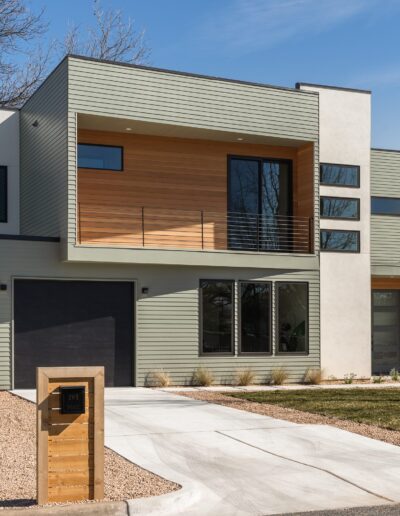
(72, 400)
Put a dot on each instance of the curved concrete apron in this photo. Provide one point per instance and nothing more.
(231, 462)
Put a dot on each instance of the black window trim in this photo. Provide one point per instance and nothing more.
(5, 221)
(324, 250)
(239, 317)
(357, 199)
(336, 185)
(102, 145)
(219, 354)
(260, 160)
(386, 198)
(306, 352)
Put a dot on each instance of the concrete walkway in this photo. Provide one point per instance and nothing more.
(232, 462)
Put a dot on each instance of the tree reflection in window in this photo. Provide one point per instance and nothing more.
(217, 316)
(292, 317)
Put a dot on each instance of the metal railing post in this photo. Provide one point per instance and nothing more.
(143, 226)
(258, 232)
(202, 229)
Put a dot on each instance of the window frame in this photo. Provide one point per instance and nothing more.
(337, 185)
(201, 313)
(239, 320)
(384, 214)
(324, 250)
(306, 352)
(357, 199)
(5, 169)
(101, 145)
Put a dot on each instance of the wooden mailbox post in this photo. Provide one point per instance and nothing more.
(70, 433)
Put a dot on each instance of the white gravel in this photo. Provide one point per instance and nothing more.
(123, 480)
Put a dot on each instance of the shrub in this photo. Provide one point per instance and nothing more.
(159, 378)
(279, 376)
(348, 378)
(377, 379)
(313, 376)
(245, 376)
(395, 375)
(203, 377)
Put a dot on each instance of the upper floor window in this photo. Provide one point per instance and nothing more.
(385, 206)
(100, 157)
(340, 208)
(340, 240)
(340, 175)
(3, 194)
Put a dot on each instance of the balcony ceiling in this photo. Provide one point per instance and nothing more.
(113, 124)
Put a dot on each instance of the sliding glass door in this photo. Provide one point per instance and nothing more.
(259, 204)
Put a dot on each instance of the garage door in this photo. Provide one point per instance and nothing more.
(73, 323)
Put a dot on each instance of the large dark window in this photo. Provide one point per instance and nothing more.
(259, 204)
(340, 208)
(385, 331)
(255, 317)
(100, 157)
(340, 175)
(340, 241)
(216, 305)
(3, 194)
(292, 317)
(385, 206)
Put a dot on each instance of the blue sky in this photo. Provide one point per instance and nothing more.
(352, 43)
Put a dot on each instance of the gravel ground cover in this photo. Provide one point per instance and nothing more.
(298, 416)
(123, 479)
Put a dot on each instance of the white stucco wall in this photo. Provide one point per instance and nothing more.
(345, 138)
(9, 156)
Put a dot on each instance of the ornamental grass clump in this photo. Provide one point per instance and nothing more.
(279, 376)
(245, 377)
(314, 376)
(159, 378)
(202, 377)
(394, 375)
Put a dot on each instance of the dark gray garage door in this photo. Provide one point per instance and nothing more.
(73, 323)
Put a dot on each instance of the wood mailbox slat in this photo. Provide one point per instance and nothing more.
(70, 465)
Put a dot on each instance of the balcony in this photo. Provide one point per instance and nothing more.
(142, 227)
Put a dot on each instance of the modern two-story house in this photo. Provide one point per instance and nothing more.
(153, 219)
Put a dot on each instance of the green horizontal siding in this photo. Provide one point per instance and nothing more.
(385, 230)
(167, 326)
(44, 158)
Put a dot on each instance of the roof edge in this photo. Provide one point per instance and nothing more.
(186, 74)
(326, 86)
(385, 150)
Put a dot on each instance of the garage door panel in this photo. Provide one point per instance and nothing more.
(73, 323)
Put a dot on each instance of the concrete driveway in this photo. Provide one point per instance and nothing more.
(231, 462)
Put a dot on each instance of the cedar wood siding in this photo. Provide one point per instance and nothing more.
(155, 96)
(167, 319)
(385, 229)
(44, 158)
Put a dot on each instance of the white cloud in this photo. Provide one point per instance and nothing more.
(252, 24)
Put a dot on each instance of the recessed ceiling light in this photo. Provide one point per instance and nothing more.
(239, 139)
(129, 128)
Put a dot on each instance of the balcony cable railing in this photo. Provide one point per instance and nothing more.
(148, 227)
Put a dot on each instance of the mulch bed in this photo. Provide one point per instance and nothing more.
(295, 416)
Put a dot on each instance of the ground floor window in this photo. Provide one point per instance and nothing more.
(292, 317)
(255, 317)
(216, 306)
(385, 331)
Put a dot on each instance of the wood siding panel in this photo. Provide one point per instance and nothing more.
(382, 283)
(164, 175)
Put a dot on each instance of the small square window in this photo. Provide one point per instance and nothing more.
(100, 157)
(340, 175)
(337, 240)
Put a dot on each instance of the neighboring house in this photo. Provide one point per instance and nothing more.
(152, 219)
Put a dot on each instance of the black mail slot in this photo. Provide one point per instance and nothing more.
(72, 400)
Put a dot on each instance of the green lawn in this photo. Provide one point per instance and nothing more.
(379, 407)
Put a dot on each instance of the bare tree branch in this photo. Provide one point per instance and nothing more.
(113, 37)
(21, 71)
